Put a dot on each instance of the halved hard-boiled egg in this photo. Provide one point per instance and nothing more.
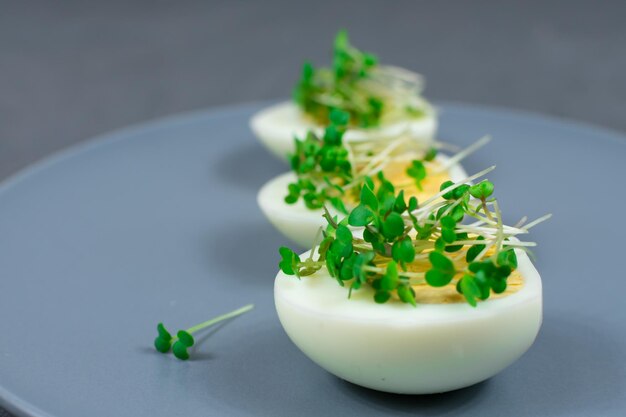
(442, 344)
(301, 224)
(278, 125)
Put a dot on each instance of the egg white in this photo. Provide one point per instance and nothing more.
(276, 127)
(397, 348)
(296, 221)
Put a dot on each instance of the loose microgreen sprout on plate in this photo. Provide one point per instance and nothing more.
(183, 340)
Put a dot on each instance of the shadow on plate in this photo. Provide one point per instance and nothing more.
(249, 167)
(574, 367)
(571, 370)
(423, 405)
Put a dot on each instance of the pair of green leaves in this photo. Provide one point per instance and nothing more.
(392, 281)
(442, 270)
(482, 190)
(289, 262)
(486, 276)
(163, 342)
(417, 169)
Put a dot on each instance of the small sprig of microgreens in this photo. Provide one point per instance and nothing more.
(323, 166)
(477, 255)
(184, 339)
(328, 169)
(358, 85)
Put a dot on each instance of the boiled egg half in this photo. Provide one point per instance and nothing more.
(278, 125)
(301, 224)
(441, 345)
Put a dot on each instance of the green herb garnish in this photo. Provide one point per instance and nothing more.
(358, 85)
(184, 339)
(477, 257)
(329, 169)
(323, 166)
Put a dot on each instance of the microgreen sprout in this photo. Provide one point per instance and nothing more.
(331, 172)
(184, 339)
(358, 85)
(456, 237)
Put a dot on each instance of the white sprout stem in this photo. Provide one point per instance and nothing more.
(508, 229)
(386, 152)
(464, 154)
(484, 229)
(483, 242)
(500, 234)
(454, 186)
(521, 222)
(223, 317)
(315, 242)
(444, 146)
(537, 221)
(352, 160)
(484, 251)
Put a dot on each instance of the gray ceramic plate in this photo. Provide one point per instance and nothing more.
(159, 222)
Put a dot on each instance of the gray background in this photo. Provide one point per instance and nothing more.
(73, 69)
(70, 70)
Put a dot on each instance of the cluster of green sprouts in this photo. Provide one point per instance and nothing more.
(359, 86)
(323, 167)
(184, 339)
(328, 169)
(458, 233)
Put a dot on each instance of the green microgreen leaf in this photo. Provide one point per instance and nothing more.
(430, 155)
(390, 280)
(442, 270)
(436, 278)
(474, 251)
(481, 190)
(344, 235)
(360, 216)
(163, 341)
(400, 205)
(163, 333)
(393, 226)
(368, 198)
(406, 294)
(381, 297)
(180, 351)
(417, 171)
(289, 262)
(162, 345)
(450, 194)
(403, 251)
(339, 117)
(507, 258)
(184, 338)
(470, 289)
